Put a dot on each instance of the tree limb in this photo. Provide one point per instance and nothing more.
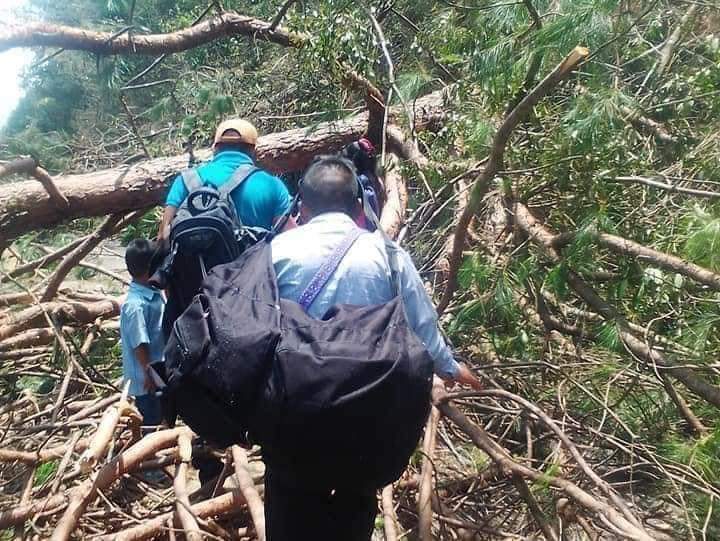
(657, 361)
(85, 493)
(389, 518)
(426, 477)
(665, 261)
(227, 24)
(496, 163)
(507, 464)
(72, 313)
(247, 487)
(74, 257)
(669, 187)
(280, 14)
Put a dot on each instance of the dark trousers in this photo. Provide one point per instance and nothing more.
(150, 409)
(295, 513)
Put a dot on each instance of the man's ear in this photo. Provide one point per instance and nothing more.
(305, 213)
(358, 208)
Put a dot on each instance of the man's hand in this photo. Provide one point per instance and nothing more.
(466, 377)
(167, 218)
(149, 384)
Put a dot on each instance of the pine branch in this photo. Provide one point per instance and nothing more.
(496, 162)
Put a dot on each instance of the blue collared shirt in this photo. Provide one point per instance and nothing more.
(140, 323)
(362, 278)
(260, 199)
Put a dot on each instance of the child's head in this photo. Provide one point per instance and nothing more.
(139, 257)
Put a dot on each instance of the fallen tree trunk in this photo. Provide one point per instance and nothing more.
(73, 313)
(108, 43)
(26, 206)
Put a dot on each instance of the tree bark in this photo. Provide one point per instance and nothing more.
(107, 43)
(26, 206)
(64, 313)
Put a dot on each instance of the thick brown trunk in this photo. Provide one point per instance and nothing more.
(26, 206)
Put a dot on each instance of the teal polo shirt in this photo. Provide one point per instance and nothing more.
(258, 201)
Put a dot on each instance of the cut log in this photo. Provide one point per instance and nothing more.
(26, 206)
(75, 313)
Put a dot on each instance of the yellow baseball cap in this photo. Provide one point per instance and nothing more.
(246, 132)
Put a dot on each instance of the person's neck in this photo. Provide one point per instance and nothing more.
(143, 281)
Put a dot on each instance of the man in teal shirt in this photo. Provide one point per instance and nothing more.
(260, 201)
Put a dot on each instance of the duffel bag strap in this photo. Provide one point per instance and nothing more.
(327, 269)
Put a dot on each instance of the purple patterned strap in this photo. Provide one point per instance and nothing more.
(327, 269)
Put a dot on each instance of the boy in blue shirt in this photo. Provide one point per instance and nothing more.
(141, 330)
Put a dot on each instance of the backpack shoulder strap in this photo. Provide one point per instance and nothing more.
(240, 175)
(327, 269)
(191, 179)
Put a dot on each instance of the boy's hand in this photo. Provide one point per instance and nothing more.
(149, 384)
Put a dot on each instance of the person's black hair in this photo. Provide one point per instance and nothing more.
(237, 147)
(330, 185)
(364, 164)
(140, 256)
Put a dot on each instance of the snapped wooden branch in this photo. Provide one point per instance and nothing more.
(227, 24)
(104, 434)
(247, 487)
(496, 163)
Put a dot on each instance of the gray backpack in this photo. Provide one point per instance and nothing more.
(207, 223)
(205, 232)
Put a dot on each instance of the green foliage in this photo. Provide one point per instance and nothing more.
(145, 228)
(703, 237)
(563, 161)
(44, 472)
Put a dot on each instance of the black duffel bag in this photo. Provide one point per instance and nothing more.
(339, 401)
